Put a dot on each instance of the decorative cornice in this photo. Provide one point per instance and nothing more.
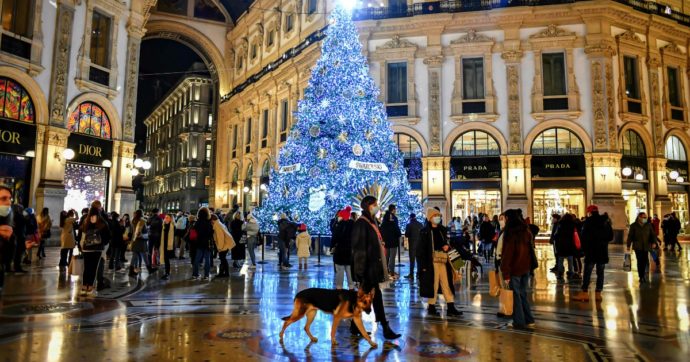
(472, 37)
(600, 49)
(672, 49)
(512, 56)
(552, 31)
(631, 37)
(434, 61)
(397, 43)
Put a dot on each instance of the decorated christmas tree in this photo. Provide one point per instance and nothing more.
(341, 146)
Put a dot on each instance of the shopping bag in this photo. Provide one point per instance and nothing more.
(456, 260)
(77, 265)
(627, 262)
(505, 302)
(494, 283)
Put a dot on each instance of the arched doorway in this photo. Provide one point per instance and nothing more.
(89, 156)
(558, 176)
(677, 174)
(635, 182)
(17, 139)
(412, 161)
(475, 175)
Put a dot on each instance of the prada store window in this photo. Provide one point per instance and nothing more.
(556, 201)
(677, 174)
(472, 202)
(89, 155)
(17, 139)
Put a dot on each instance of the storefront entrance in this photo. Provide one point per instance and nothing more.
(556, 201)
(635, 203)
(87, 173)
(679, 205)
(473, 202)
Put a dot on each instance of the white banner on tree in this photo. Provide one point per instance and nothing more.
(290, 168)
(368, 166)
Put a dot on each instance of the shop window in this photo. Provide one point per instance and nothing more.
(473, 85)
(90, 119)
(554, 82)
(557, 141)
(264, 129)
(412, 155)
(468, 203)
(475, 143)
(84, 184)
(284, 120)
(396, 91)
(17, 25)
(548, 202)
(15, 102)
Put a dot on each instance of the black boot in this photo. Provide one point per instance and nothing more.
(354, 330)
(452, 312)
(388, 332)
(432, 310)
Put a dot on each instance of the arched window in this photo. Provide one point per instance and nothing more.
(475, 143)
(235, 175)
(266, 169)
(633, 145)
(15, 102)
(90, 119)
(557, 141)
(412, 154)
(250, 172)
(675, 150)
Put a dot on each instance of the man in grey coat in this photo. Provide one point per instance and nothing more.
(412, 234)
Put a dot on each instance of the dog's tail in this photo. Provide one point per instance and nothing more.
(285, 318)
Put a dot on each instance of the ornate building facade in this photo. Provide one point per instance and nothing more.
(68, 83)
(546, 108)
(178, 145)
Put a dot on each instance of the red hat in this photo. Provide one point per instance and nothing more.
(302, 227)
(592, 208)
(345, 213)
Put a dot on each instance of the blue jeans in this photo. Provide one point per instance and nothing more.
(560, 268)
(588, 275)
(283, 253)
(137, 258)
(522, 315)
(205, 255)
(251, 246)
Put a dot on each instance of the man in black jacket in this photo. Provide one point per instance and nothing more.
(487, 231)
(412, 232)
(155, 232)
(390, 230)
(286, 230)
(596, 235)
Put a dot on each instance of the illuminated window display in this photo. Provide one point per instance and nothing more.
(472, 202)
(556, 201)
(635, 203)
(679, 205)
(84, 184)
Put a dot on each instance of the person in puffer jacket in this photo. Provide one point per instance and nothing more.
(224, 242)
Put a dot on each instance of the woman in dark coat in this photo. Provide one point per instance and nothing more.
(95, 236)
(368, 261)
(565, 245)
(342, 248)
(117, 242)
(238, 252)
(203, 243)
(433, 242)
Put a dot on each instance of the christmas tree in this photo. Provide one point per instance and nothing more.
(341, 146)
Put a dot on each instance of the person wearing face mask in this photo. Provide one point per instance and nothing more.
(390, 230)
(95, 236)
(434, 268)
(167, 245)
(368, 261)
(7, 237)
(642, 239)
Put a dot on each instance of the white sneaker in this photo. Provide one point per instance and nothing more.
(205, 279)
(253, 266)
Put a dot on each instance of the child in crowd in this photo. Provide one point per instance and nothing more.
(303, 245)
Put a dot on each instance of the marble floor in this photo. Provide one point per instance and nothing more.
(42, 318)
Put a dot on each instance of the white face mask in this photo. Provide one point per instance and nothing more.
(5, 210)
(374, 210)
(436, 220)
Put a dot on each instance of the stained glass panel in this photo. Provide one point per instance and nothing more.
(89, 118)
(15, 103)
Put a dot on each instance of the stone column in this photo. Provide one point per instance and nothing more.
(123, 197)
(607, 188)
(515, 181)
(51, 191)
(658, 185)
(61, 63)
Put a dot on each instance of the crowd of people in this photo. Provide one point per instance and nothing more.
(364, 247)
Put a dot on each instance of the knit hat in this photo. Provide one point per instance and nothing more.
(592, 208)
(431, 212)
(302, 227)
(345, 213)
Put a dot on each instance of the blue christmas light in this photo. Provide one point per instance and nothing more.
(341, 133)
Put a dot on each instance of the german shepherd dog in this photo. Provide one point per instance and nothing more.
(343, 304)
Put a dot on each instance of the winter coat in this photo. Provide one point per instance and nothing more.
(367, 259)
(67, 240)
(342, 242)
(116, 231)
(428, 242)
(155, 228)
(138, 241)
(283, 226)
(221, 235)
(303, 245)
(641, 236)
(487, 231)
(596, 235)
(171, 238)
(516, 256)
(251, 227)
(238, 252)
(565, 244)
(204, 234)
(390, 230)
(44, 227)
(104, 232)
(412, 233)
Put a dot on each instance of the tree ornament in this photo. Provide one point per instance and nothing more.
(314, 131)
(360, 92)
(332, 166)
(368, 135)
(314, 171)
(357, 149)
(322, 153)
(342, 137)
(296, 134)
(376, 120)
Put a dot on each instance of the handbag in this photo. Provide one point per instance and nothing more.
(192, 234)
(627, 262)
(91, 240)
(576, 240)
(77, 265)
(494, 283)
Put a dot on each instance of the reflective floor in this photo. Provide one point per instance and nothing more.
(238, 319)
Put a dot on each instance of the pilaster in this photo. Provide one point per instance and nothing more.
(124, 198)
(61, 63)
(605, 131)
(135, 32)
(434, 64)
(606, 179)
(512, 59)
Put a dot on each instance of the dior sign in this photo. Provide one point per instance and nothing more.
(17, 138)
(90, 150)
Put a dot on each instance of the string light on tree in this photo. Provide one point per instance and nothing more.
(349, 135)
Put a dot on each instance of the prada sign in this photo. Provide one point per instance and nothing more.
(475, 168)
(17, 138)
(90, 150)
(558, 166)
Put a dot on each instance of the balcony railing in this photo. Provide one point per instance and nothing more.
(455, 6)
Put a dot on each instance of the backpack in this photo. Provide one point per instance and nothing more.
(91, 239)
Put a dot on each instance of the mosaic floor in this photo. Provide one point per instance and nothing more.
(238, 319)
